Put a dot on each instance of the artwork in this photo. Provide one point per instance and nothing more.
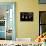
(42, 1)
(26, 16)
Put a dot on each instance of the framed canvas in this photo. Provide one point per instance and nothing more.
(26, 16)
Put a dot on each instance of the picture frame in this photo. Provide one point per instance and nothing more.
(26, 16)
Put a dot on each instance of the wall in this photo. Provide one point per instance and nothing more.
(42, 7)
(26, 29)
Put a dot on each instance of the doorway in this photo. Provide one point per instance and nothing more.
(42, 22)
(7, 21)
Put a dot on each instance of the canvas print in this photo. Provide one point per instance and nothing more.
(26, 16)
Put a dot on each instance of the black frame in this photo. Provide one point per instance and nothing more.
(26, 14)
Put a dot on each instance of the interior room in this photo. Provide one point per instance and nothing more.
(22, 20)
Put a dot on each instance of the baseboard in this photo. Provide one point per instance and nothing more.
(24, 39)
